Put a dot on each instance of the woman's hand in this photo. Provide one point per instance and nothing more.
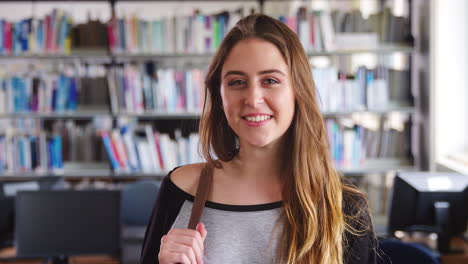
(183, 246)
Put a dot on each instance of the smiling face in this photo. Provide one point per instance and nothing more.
(258, 99)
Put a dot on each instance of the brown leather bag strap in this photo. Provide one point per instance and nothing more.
(203, 190)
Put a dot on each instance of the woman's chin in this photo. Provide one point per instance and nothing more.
(260, 143)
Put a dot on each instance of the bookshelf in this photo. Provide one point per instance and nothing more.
(369, 167)
(386, 111)
(105, 56)
(182, 115)
(70, 115)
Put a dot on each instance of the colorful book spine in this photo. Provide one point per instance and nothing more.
(110, 150)
(2, 36)
(8, 37)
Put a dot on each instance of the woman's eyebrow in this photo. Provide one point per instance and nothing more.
(260, 72)
(234, 73)
(272, 71)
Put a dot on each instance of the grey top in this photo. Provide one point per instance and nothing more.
(245, 233)
(236, 236)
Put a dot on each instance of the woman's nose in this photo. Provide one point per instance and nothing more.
(254, 96)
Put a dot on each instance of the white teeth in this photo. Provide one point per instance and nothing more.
(257, 118)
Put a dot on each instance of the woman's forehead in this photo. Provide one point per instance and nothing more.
(254, 56)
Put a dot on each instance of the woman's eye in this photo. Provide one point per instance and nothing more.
(236, 83)
(271, 81)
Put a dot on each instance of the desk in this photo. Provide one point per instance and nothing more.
(456, 243)
(8, 256)
(462, 258)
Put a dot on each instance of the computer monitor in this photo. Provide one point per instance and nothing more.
(8, 191)
(434, 202)
(6, 221)
(59, 224)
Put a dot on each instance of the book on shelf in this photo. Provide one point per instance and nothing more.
(91, 35)
(94, 93)
(143, 149)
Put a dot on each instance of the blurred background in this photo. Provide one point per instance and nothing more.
(100, 99)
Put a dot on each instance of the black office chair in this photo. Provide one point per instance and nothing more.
(137, 202)
(396, 251)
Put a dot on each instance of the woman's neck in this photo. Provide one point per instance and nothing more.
(258, 164)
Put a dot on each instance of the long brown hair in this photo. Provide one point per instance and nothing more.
(315, 221)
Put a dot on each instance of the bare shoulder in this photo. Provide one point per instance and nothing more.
(186, 177)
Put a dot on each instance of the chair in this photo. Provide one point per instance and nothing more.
(396, 251)
(137, 202)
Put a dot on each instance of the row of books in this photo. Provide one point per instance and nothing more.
(366, 89)
(317, 30)
(200, 33)
(30, 153)
(135, 89)
(140, 148)
(353, 143)
(44, 35)
(339, 30)
(48, 90)
(148, 151)
(81, 142)
(314, 29)
(35, 94)
(139, 88)
(197, 33)
(389, 27)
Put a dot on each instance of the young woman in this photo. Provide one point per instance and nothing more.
(276, 196)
